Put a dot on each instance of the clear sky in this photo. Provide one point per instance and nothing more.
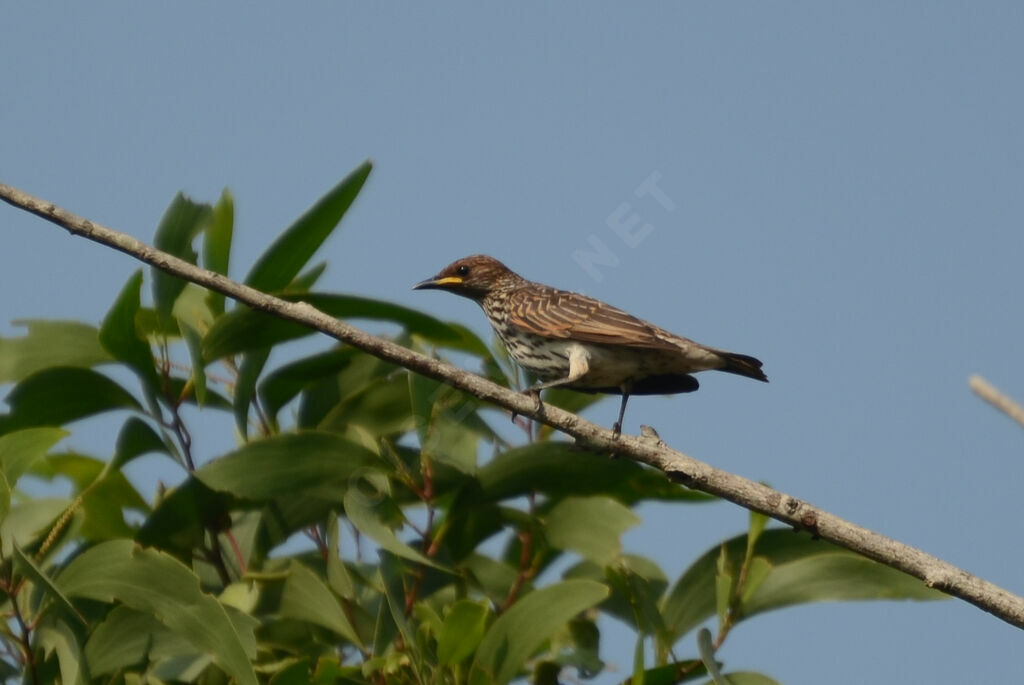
(840, 195)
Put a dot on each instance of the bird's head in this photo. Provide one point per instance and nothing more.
(473, 277)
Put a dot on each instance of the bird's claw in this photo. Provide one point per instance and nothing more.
(538, 407)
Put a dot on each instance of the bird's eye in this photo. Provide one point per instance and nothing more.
(462, 270)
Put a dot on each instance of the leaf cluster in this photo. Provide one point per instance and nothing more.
(371, 526)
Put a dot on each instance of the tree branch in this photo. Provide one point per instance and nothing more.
(647, 449)
(991, 394)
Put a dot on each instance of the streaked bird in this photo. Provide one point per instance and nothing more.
(570, 340)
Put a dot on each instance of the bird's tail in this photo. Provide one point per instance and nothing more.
(742, 365)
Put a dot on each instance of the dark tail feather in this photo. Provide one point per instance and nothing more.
(742, 365)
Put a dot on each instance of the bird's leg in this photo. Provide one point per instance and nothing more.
(617, 428)
(579, 365)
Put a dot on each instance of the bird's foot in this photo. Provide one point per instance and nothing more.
(616, 430)
(538, 407)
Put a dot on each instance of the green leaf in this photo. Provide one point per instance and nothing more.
(284, 384)
(380, 409)
(50, 343)
(724, 581)
(119, 336)
(361, 512)
(307, 598)
(104, 493)
(135, 439)
(305, 281)
(29, 521)
(57, 396)
(245, 329)
(802, 569)
(837, 576)
(126, 637)
(590, 526)
(289, 465)
(181, 223)
(707, 656)
(558, 468)
(245, 386)
(286, 257)
(338, 576)
(217, 245)
(194, 342)
(669, 674)
(158, 584)
(56, 636)
(747, 678)
(26, 567)
(462, 631)
(516, 634)
(757, 570)
(757, 523)
(18, 451)
(637, 584)
(179, 522)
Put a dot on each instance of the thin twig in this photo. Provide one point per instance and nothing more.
(679, 467)
(991, 394)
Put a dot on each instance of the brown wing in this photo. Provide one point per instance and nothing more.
(552, 313)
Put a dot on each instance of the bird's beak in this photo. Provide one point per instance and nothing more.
(438, 283)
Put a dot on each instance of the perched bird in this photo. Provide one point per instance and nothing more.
(570, 340)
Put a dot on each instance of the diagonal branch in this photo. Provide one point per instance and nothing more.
(647, 449)
(988, 392)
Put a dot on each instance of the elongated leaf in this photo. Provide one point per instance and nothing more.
(158, 584)
(245, 329)
(360, 512)
(245, 387)
(307, 598)
(284, 384)
(54, 397)
(707, 657)
(802, 570)
(288, 465)
(135, 439)
(127, 636)
(178, 523)
(217, 245)
(747, 678)
(517, 633)
(181, 223)
(670, 674)
(305, 281)
(29, 521)
(338, 576)
(18, 451)
(286, 257)
(56, 636)
(26, 567)
(50, 343)
(839, 576)
(462, 631)
(590, 526)
(194, 342)
(105, 494)
(557, 468)
(119, 336)
(640, 595)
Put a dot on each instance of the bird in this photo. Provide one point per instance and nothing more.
(569, 340)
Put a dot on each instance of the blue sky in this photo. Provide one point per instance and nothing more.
(844, 184)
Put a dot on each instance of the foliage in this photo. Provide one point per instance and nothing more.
(371, 526)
